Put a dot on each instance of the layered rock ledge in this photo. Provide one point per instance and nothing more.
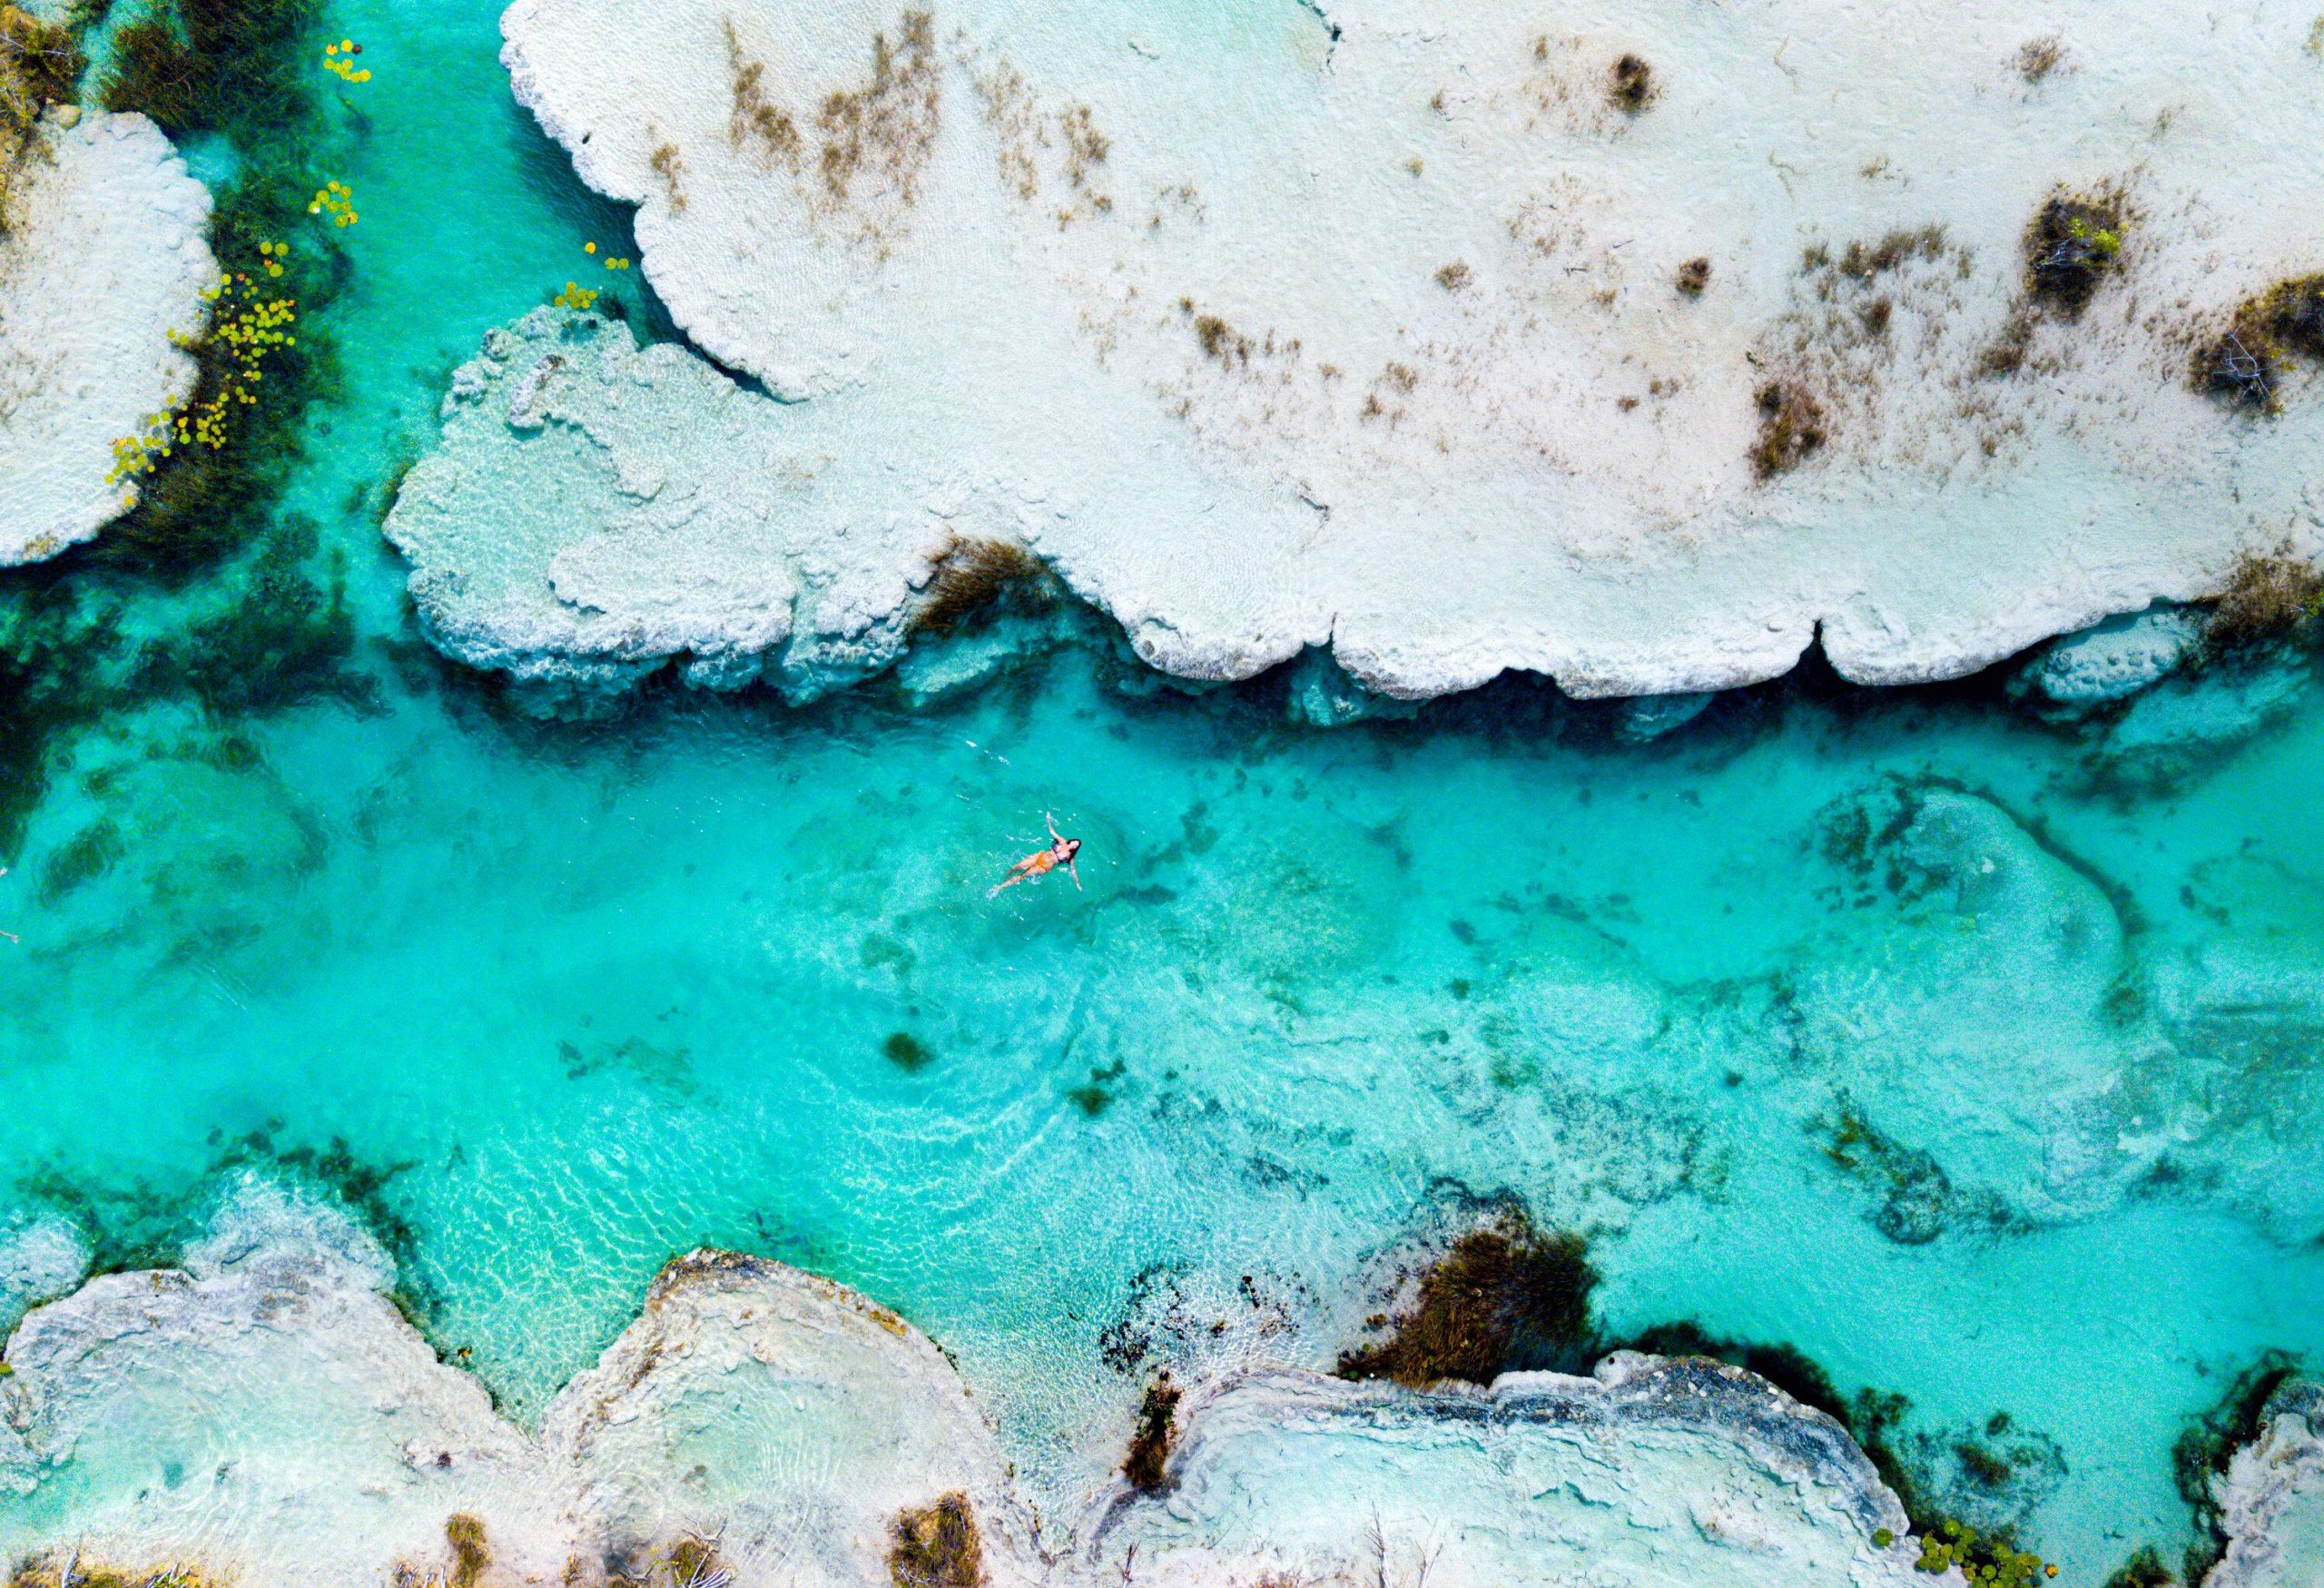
(1380, 326)
(265, 1415)
(102, 258)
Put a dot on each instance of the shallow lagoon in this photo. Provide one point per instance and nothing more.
(2002, 1096)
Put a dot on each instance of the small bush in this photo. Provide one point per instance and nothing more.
(1147, 1465)
(971, 575)
(1501, 1298)
(2245, 364)
(1631, 84)
(1694, 276)
(2070, 248)
(1791, 429)
(1453, 277)
(2264, 598)
(936, 1546)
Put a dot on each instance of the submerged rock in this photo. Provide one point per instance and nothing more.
(102, 258)
(2271, 1498)
(1649, 1472)
(2117, 658)
(1398, 371)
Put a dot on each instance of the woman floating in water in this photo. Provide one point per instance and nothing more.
(1060, 852)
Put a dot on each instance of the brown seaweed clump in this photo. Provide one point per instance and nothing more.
(2245, 364)
(1146, 1466)
(2071, 247)
(1791, 427)
(2264, 598)
(1694, 276)
(936, 1546)
(971, 574)
(1502, 1297)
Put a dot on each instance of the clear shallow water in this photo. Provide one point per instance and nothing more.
(589, 994)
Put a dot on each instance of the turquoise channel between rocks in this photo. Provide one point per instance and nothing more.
(1897, 1028)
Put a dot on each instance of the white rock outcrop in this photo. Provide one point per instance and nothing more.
(1356, 324)
(2271, 1498)
(101, 257)
(1651, 1474)
(266, 1415)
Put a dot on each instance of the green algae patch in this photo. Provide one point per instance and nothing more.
(936, 1546)
(1501, 1297)
(1146, 1466)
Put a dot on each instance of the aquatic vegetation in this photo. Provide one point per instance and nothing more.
(233, 66)
(338, 60)
(336, 199)
(2144, 1569)
(470, 1553)
(1694, 276)
(1631, 84)
(969, 578)
(2070, 246)
(611, 264)
(1147, 1465)
(245, 331)
(1791, 429)
(87, 855)
(2265, 597)
(906, 1052)
(1917, 1199)
(1500, 1298)
(2245, 363)
(576, 296)
(1987, 1562)
(936, 1546)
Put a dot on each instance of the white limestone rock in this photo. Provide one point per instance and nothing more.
(1354, 324)
(790, 1418)
(596, 509)
(1650, 1473)
(2271, 1499)
(263, 1412)
(101, 257)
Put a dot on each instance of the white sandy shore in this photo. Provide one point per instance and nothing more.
(101, 259)
(1170, 296)
(266, 1414)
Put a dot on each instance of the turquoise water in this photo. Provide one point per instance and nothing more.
(1895, 1027)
